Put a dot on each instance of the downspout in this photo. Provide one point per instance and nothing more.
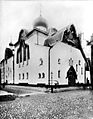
(91, 67)
(13, 70)
(49, 66)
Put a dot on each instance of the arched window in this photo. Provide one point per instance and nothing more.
(17, 57)
(20, 54)
(81, 71)
(41, 61)
(79, 62)
(43, 75)
(25, 53)
(58, 73)
(27, 75)
(23, 50)
(70, 62)
(23, 75)
(59, 61)
(39, 75)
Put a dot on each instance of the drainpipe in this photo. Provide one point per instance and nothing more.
(13, 50)
(49, 66)
(91, 67)
(49, 63)
(13, 70)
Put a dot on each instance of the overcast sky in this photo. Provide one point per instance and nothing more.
(15, 15)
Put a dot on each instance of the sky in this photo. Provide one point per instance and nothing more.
(17, 15)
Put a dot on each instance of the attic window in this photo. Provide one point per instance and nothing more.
(70, 62)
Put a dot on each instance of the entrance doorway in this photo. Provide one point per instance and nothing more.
(72, 76)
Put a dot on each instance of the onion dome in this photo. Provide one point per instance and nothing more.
(40, 22)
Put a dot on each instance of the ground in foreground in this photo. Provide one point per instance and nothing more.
(76, 104)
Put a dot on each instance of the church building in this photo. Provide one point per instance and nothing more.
(46, 56)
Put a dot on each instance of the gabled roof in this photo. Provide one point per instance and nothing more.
(29, 34)
(39, 30)
(51, 40)
(67, 35)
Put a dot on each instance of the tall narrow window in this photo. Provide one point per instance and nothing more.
(39, 75)
(79, 62)
(59, 61)
(43, 75)
(81, 71)
(25, 53)
(28, 53)
(76, 67)
(58, 73)
(23, 75)
(17, 57)
(41, 61)
(27, 75)
(20, 54)
(19, 76)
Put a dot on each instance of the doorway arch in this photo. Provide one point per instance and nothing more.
(72, 76)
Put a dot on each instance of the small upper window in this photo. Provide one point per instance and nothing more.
(41, 61)
(59, 61)
(79, 62)
(81, 71)
(70, 62)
